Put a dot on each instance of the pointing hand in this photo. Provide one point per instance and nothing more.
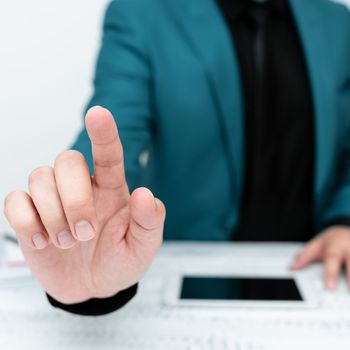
(87, 237)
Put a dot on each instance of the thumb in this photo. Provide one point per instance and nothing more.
(146, 222)
(311, 252)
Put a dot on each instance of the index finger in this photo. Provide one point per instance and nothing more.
(311, 252)
(332, 266)
(107, 150)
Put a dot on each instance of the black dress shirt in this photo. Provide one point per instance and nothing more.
(279, 146)
(277, 194)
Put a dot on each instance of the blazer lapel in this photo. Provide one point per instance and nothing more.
(204, 28)
(309, 22)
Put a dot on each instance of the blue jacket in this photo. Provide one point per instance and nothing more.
(168, 71)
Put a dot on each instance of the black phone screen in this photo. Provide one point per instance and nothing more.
(239, 288)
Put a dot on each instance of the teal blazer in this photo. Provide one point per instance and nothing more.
(168, 71)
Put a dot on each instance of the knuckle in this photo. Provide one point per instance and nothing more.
(333, 248)
(333, 261)
(332, 268)
(77, 204)
(40, 173)
(108, 163)
(70, 157)
(13, 197)
(332, 254)
(331, 273)
(26, 223)
(300, 256)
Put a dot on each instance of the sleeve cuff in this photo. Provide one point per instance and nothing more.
(97, 307)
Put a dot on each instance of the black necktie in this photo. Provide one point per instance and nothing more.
(262, 131)
(258, 14)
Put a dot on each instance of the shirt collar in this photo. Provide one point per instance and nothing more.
(236, 8)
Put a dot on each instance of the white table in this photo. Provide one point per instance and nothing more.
(27, 321)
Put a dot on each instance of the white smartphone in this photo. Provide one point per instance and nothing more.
(252, 290)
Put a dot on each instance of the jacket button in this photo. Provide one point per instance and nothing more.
(143, 159)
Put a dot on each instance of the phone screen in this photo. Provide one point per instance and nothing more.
(239, 288)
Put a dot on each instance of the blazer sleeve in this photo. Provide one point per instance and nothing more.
(339, 205)
(122, 84)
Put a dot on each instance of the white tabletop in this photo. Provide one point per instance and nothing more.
(147, 322)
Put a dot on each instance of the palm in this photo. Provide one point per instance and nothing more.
(92, 266)
(127, 232)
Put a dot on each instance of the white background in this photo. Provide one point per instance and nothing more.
(47, 54)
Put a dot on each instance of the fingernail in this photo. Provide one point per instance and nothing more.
(39, 241)
(84, 230)
(293, 265)
(65, 239)
(331, 285)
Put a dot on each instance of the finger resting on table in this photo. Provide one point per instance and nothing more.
(333, 262)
